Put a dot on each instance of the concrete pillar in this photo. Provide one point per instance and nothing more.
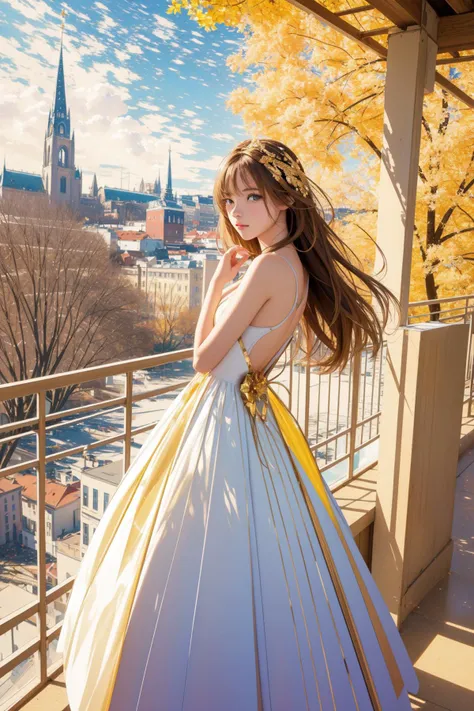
(411, 65)
(419, 449)
(421, 416)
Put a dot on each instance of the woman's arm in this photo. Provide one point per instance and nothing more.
(231, 287)
(205, 322)
(212, 343)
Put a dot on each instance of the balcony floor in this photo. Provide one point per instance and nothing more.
(439, 633)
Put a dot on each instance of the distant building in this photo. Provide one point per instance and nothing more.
(129, 241)
(165, 221)
(199, 212)
(10, 511)
(62, 510)
(173, 282)
(61, 179)
(91, 208)
(68, 558)
(15, 182)
(99, 484)
(126, 204)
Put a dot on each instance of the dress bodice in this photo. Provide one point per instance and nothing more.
(234, 366)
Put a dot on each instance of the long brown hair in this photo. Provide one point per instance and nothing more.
(339, 312)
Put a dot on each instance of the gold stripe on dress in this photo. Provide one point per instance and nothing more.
(296, 443)
(255, 390)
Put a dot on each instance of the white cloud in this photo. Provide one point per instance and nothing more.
(147, 106)
(133, 48)
(165, 29)
(121, 55)
(222, 137)
(33, 9)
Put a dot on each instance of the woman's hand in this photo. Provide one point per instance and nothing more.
(230, 263)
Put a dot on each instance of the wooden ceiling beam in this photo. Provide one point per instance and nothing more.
(460, 6)
(455, 60)
(456, 32)
(402, 13)
(312, 7)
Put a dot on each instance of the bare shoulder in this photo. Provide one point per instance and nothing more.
(273, 265)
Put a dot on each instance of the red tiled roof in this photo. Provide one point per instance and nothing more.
(132, 235)
(57, 494)
(7, 485)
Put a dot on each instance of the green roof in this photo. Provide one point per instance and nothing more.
(127, 195)
(17, 180)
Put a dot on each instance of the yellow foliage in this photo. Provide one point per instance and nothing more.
(322, 94)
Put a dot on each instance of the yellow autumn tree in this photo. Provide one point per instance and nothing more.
(322, 94)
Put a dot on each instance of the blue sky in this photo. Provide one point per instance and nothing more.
(137, 81)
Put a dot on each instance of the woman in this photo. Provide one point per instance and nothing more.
(223, 575)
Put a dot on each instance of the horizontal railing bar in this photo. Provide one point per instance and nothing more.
(14, 468)
(8, 664)
(74, 377)
(21, 615)
(7, 623)
(116, 401)
(426, 302)
(442, 312)
(355, 476)
(333, 463)
(160, 391)
(367, 442)
(22, 423)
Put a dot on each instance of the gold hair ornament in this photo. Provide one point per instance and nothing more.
(290, 169)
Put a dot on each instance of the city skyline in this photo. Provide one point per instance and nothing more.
(124, 122)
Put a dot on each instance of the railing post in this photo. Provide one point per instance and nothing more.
(41, 530)
(356, 362)
(127, 442)
(307, 397)
(470, 365)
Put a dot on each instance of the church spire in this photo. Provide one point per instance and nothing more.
(59, 121)
(169, 185)
(94, 191)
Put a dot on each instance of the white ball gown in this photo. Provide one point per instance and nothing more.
(223, 575)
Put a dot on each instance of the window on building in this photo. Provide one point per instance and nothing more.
(63, 185)
(106, 500)
(95, 499)
(85, 496)
(61, 129)
(62, 158)
(85, 534)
